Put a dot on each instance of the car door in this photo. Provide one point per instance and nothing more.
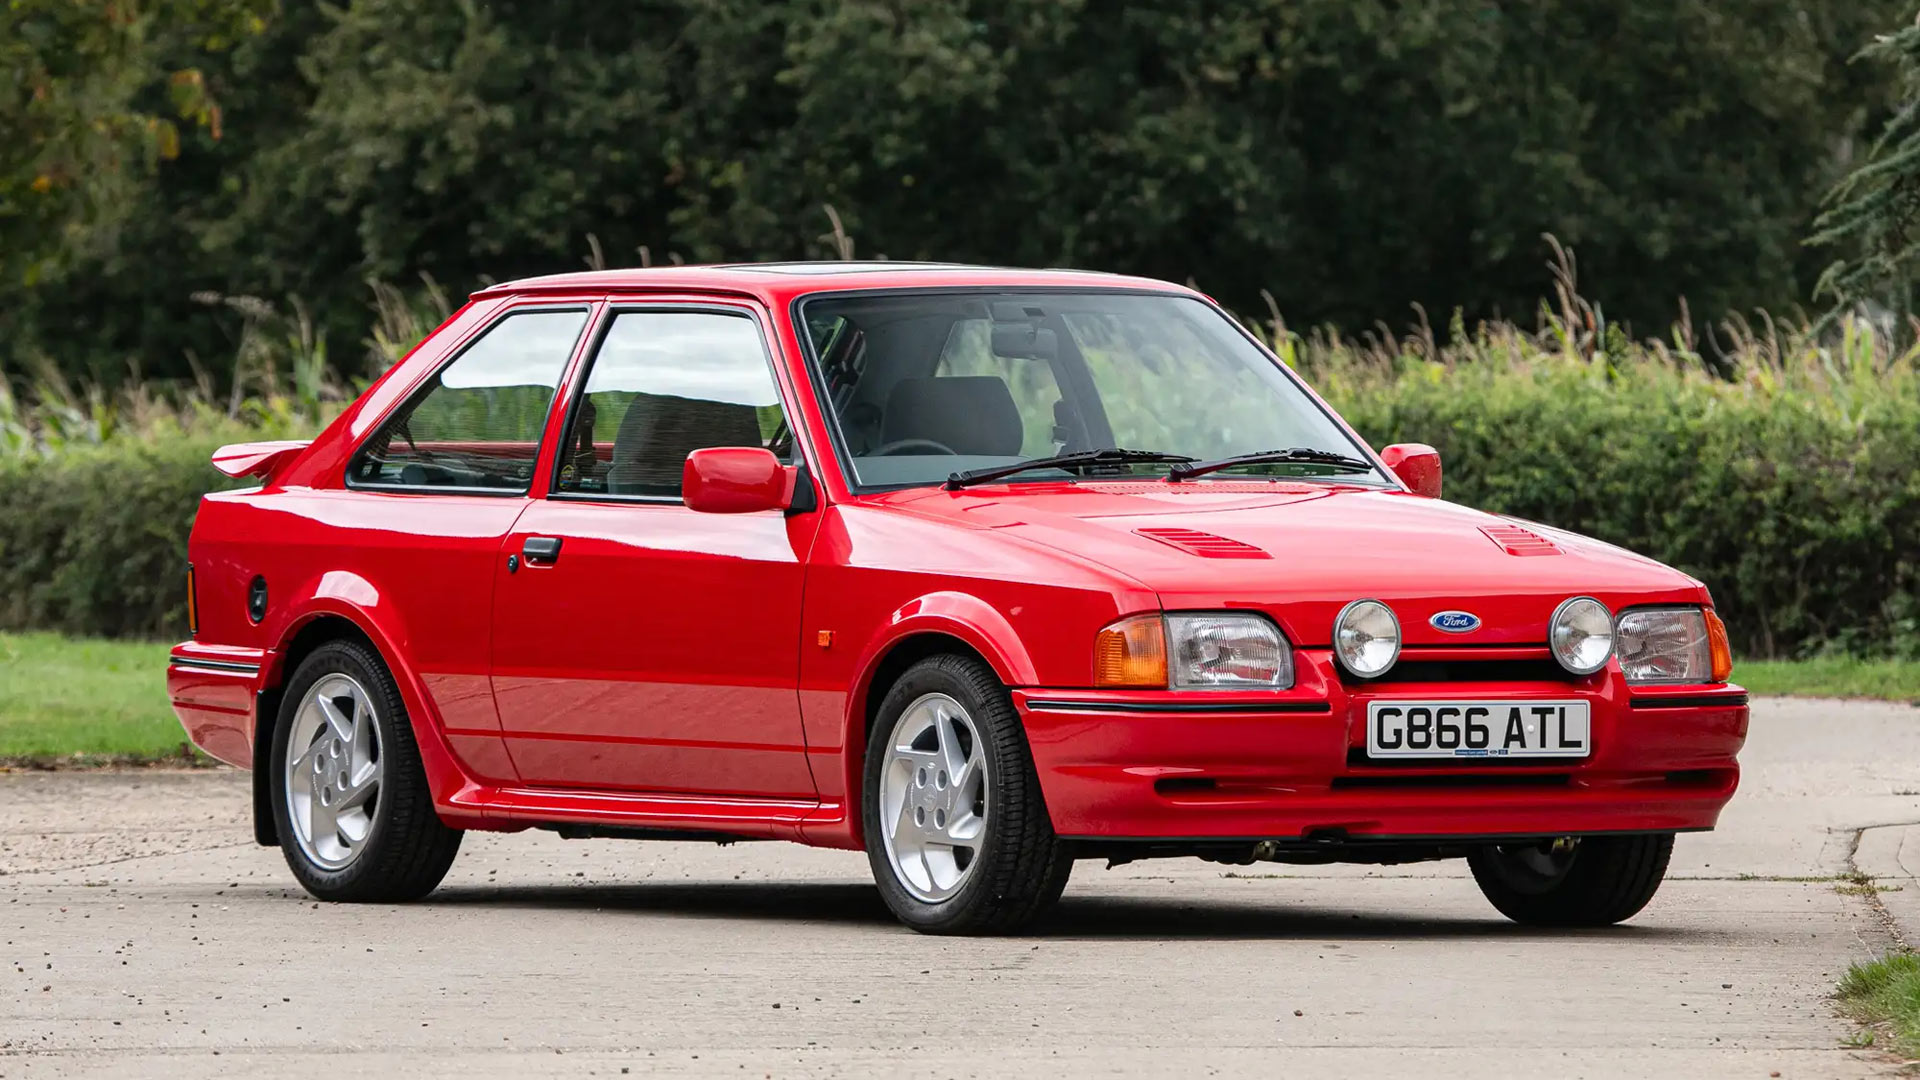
(638, 644)
(431, 495)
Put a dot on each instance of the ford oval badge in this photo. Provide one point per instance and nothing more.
(1456, 622)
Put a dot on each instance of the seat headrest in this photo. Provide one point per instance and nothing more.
(970, 414)
(658, 432)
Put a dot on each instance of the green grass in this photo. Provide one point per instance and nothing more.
(62, 698)
(85, 700)
(1885, 994)
(1831, 676)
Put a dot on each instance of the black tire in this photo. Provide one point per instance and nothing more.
(407, 849)
(1602, 880)
(1022, 866)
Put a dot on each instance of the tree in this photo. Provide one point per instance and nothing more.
(1349, 156)
(1874, 213)
(95, 107)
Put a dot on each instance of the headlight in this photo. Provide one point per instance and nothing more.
(1366, 638)
(1674, 645)
(1227, 652)
(1581, 635)
(1223, 651)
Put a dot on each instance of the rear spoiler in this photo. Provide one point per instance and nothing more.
(259, 459)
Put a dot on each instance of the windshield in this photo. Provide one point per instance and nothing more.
(926, 385)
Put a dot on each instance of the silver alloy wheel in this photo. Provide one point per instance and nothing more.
(333, 771)
(933, 797)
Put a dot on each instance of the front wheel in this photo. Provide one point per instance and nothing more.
(1591, 881)
(956, 828)
(350, 799)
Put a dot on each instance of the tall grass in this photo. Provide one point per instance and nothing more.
(1848, 367)
(280, 375)
(279, 379)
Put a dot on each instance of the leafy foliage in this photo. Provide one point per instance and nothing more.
(99, 94)
(1788, 489)
(1874, 213)
(1348, 155)
(105, 549)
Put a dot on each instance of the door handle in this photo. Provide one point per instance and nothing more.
(540, 549)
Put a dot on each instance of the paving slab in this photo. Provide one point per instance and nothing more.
(143, 935)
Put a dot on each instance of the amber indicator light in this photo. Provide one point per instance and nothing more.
(1131, 652)
(1722, 655)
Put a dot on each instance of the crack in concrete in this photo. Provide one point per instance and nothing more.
(1871, 897)
(123, 859)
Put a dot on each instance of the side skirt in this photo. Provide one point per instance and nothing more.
(509, 809)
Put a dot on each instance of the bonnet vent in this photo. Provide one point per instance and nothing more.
(1204, 544)
(1518, 541)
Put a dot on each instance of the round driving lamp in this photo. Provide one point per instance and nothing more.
(1581, 635)
(1366, 638)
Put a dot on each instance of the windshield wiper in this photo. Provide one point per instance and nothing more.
(1303, 454)
(1081, 460)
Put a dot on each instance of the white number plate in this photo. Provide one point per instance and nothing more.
(1470, 729)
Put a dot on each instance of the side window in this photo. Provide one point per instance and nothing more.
(662, 385)
(477, 424)
(1036, 393)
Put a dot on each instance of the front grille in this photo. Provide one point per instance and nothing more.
(1455, 780)
(1444, 671)
(1357, 759)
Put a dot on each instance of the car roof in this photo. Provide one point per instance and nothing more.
(775, 281)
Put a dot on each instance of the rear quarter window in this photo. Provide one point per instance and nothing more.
(476, 426)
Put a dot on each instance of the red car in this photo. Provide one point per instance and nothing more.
(983, 571)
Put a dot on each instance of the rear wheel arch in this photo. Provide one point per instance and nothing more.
(303, 638)
(367, 829)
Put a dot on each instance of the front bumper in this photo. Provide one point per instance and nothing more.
(1292, 765)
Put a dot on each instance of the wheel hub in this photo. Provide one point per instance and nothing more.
(933, 797)
(334, 769)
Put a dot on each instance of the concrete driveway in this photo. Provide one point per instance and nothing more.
(144, 935)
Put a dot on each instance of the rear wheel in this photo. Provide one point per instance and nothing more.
(956, 829)
(350, 800)
(1591, 881)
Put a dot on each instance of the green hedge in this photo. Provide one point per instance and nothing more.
(93, 540)
(1794, 493)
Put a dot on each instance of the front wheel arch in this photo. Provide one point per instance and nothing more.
(899, 657)
(1023, 866)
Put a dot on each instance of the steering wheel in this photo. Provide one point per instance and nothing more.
(898, 445)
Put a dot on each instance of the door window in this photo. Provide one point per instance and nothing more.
(662, 385)
(477, 425)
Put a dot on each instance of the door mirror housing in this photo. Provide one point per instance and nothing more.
(1417, 465)
(736, 480)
